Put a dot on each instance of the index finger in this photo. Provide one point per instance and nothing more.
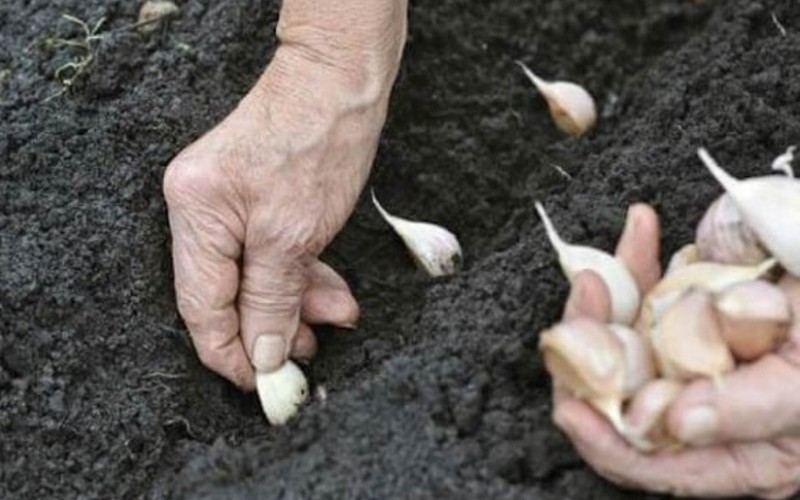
(639, 246)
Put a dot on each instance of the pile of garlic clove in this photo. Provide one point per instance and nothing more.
(730, 297)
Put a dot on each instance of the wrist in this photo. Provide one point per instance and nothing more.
(354, 44)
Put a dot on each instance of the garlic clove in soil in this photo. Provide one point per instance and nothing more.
(282, 392)
(687, 340)
(723, 236)
(625, 296)
(687, 254)
(434, 249)
(707, 276)
(152, 12)
(647, 412)
(640, 364)
(571, 106)
(771, 208)
(587, 359)
(754, 318)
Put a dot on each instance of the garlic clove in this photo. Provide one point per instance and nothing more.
(152, 12)
(754, 318)
(572, 108)
(687, 340)
(687, 254)
(708, 276)
(647, 412)
(587, 359)
(770, 206)
(723, 236)
(281, 392)
(625, 296)
(640, 364)
(790, 286)
(434, 249)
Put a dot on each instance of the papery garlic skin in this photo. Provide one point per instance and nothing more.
(724, 237)
(434, 249)
(754, 318)
(152, 11)
(770, 206)
(625, 295)
(640, 363)
(783, 163)
(687, 254)
(687, 341)
(282, 392)
(588, 360)
(572, 108)
(647, 413)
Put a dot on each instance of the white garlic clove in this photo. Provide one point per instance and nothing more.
(687, 340)
(783, 163)
(571, 106)
(723, 236)
(584, 357)
(640, 364)
(687, 254)
(754, 318)
(770, 206)
(434, 249)
(281, 392)
(707, 276)
(625, 296)
(152, 12)
(647, 412)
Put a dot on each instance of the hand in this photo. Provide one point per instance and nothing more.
(254, 202)
(746, 433)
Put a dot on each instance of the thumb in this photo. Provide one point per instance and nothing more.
(756, 402)
(269, 307)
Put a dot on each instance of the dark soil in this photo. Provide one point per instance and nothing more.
(440, 392)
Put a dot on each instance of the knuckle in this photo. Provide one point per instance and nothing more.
(184, 178)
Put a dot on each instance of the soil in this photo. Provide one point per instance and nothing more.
(440, 391)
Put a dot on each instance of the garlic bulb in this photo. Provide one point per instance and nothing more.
(647, 412)
(754, 318)
(152, 11)
(640, 365)
(771, 208)
(624, 292)
(433, 248)
(589, 361)
(281, 392)
(723, 236)
(706, 276)
(571, 106)
(687, 254)
(687, 341)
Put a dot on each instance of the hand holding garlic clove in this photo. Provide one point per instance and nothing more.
(698, 438)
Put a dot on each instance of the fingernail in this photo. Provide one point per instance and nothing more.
(699, 426)
(269, 352)
(631, 221)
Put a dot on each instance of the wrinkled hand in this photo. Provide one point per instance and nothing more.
(746, 432)
(254, 202)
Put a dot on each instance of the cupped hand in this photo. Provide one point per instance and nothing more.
(744, 433)
(254, 202)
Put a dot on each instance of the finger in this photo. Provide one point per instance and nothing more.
(588, 298)
(756, 402)
(206, 283)
(639, 245)
(685, 473)
(304, 347)
(328, 299)
(269, 306)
